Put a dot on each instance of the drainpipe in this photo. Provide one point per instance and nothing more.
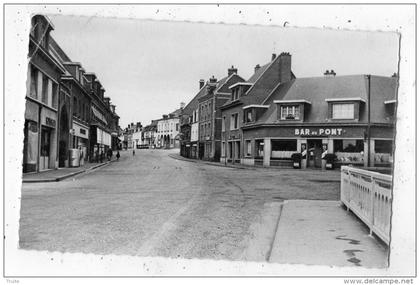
(368, 125)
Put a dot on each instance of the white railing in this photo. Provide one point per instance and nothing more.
(369, 195)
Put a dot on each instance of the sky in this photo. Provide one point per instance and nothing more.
(149, 67)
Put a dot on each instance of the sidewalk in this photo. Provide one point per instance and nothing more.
(59, 174)
(179, 157)
(324, 233)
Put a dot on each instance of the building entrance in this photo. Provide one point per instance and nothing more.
(44, 158)
(315, 153)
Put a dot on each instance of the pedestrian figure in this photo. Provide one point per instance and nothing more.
(102, 156)
(134, 152)
(118, 154)
(97, 156)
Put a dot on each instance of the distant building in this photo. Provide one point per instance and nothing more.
(150, 134)
(168, 129)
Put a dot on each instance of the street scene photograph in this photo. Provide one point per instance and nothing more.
(206, 141)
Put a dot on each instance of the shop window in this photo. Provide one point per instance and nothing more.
(234, 121)
(44, 89)
(383, 146)
(343, 111)
(33, 92)
(284, 145)
(248, 148)
(348, 146)
(259, 148)
(283, 149)
(290, 112)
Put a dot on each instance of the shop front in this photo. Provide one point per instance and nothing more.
(81, 141)
(40, 138)
(274, 146)
(100, 142)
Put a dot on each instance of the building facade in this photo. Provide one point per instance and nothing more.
(59, 104)
(168, 129)
(250, 93)
(210, 117)
(189, 125)
(352, 117)
(149, 134)
(41, 130)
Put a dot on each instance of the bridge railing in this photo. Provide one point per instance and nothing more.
(369, 195)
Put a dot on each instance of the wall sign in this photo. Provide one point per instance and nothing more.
(318, 132)
(50, 122)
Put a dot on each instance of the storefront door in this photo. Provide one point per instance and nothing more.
(45, 148)
(314, 153)
(237, 151)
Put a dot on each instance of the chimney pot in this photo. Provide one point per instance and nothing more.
(257, 67)
(273, 56)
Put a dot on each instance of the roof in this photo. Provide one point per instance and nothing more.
(258, 73)
(176, 113)
(262, 83)
(193, 104)
(317, 89)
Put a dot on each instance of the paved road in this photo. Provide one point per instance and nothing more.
(153, 205)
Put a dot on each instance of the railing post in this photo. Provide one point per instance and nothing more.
(372, 205)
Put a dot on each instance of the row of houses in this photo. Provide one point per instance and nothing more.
(273, 114)
(67, 116)
(160, 133)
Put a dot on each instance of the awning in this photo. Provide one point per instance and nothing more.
(99, 115)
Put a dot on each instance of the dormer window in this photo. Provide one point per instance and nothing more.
(344, 108)
(248, 115)
(253, 112)
(343, 111)
(291, 110)
(238, 89)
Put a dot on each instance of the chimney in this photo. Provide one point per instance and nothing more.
(107, 101)
(213, 80)
(273, 56)
(201, 82)
(285, 67)
(113, 108)
(257, 67)
(232, 70)
(182, 105)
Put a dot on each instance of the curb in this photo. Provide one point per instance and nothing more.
(60, 178)
(208, 163)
